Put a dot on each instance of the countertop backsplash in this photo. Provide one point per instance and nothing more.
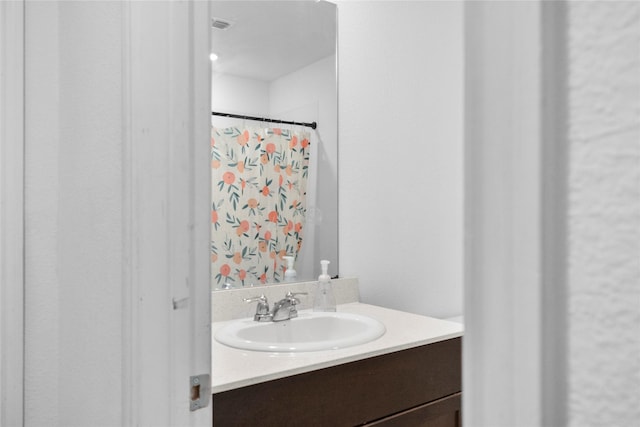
(229, 304)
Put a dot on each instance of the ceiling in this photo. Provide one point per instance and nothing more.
(269, 39)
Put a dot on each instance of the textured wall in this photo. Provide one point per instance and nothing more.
(400, 170)
(604, 217)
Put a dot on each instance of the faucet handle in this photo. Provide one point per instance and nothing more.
(262, 309)
(291, 296)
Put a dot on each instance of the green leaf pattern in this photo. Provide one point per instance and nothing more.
(259, 181)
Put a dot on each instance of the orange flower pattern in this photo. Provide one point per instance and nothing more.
(258, 202)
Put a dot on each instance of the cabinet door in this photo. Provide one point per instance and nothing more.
(443, 412)
(350, 394)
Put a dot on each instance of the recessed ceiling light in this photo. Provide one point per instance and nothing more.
(213, 57)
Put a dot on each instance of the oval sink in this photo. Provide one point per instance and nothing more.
(310, 331)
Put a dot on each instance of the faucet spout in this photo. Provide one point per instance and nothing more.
(285, 309)
(282, 310)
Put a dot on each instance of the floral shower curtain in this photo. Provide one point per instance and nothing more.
(259, 179)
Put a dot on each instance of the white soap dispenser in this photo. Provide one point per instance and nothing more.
(324, 299)
(289, 274)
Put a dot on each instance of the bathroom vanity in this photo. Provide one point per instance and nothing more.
(411, 376)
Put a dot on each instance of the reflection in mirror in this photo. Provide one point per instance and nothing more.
(274, 185)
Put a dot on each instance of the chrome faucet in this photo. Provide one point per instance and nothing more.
(284, 309)
(262, 310)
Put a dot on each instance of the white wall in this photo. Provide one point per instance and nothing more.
(310, 95)
(238, 95)
(401, 129)
(604, 213)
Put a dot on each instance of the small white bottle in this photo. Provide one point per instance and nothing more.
(290, 274)
(324, 299)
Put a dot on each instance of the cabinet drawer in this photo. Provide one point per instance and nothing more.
(349, 394)
(443, 412)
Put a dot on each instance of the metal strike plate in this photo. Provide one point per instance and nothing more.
(200, 391)
(180, 304)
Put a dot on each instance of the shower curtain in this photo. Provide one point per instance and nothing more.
(259, 179)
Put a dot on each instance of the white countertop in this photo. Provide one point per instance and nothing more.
(233, 368)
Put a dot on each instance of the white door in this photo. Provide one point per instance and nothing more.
(167, 191)
(117, 323)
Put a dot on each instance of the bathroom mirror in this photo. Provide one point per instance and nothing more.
(273, 60)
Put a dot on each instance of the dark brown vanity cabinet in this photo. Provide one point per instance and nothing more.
(420, 386)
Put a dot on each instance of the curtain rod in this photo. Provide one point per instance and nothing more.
(312, 125)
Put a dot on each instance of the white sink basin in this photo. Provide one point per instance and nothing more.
(310, 331)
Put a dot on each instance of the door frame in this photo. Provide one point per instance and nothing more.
(514, 359)
(12, 212)
(185, 302)
(166, 180)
